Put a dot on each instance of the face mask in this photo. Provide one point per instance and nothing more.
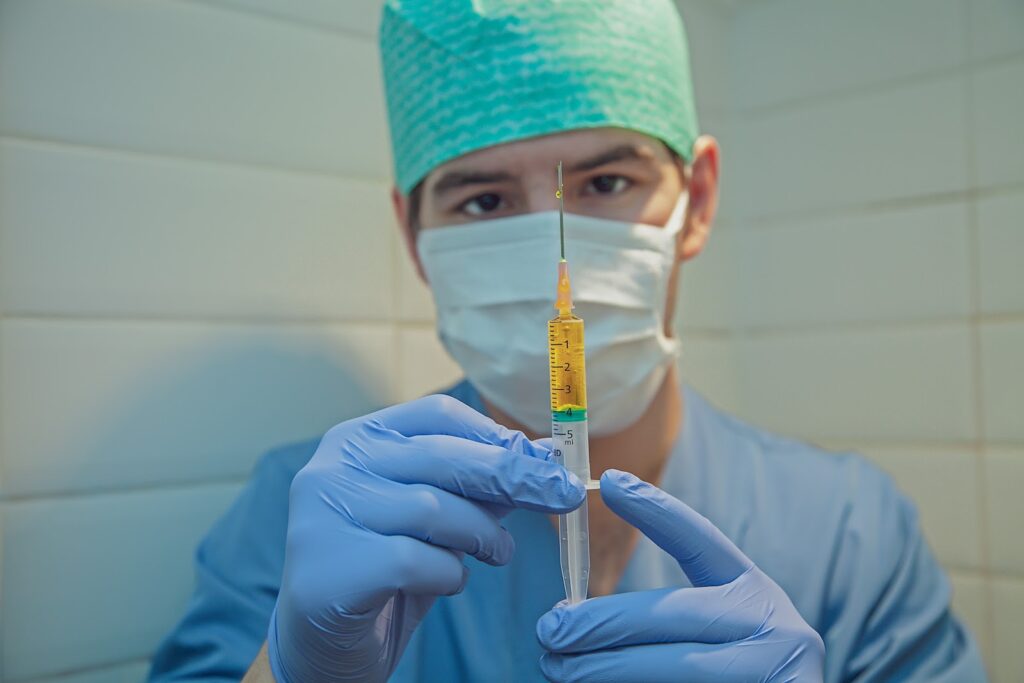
(494, 286)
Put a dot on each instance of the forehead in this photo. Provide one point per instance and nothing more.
(523, 157)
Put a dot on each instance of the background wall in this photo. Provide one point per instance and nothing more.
(874, 193)
(197, 262)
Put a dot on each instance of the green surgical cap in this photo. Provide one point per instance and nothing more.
(461, 75)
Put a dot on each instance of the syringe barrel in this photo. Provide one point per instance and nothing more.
(569, 441)
(569, 449)
(574, 553)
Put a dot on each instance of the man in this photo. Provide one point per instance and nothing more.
(754, 558)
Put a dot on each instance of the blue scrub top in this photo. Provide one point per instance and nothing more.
(832, 530)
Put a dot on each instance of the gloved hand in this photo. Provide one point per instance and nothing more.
(378, 524)
(735, 624)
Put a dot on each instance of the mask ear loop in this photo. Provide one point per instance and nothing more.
(678, 217)
(673, 227)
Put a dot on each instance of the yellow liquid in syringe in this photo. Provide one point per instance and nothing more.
(568, 375)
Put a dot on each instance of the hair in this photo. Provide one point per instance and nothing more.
(413, 207)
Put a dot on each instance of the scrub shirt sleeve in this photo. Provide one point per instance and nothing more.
(897, 620)
(237, 573)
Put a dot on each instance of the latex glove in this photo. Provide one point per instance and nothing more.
(735, 624)
(379, 521)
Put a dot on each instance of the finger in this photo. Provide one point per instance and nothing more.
(667, 663)
(441, 414)
(482, 472)
(705, 554)
(713, 614)
(419, 568)
(437, 517)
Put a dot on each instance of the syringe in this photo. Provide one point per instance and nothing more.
(568, 379)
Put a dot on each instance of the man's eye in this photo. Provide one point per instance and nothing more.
(481, 204)
(607, 184)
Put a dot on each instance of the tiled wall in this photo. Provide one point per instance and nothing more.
(874, 184)
(197, 262)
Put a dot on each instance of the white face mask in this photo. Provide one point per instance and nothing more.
(494, 285)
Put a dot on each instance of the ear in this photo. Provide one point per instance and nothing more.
(703, 200)
(400, 203)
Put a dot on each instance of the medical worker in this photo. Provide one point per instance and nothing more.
(417, 544)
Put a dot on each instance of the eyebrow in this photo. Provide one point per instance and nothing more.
(455, 179)
(620, 153)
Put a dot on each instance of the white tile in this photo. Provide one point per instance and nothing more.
(893, 265)
(708, 364)
(98, 579)
(1005, 475)
(186, 79)
(131, 672)
(1001, 253)
(972, 603)
(997, 28)
(356, 16)
(87, 232)
(708, 24)
(1008, 627)
(90, 405)
(425, 366)
(932, 478)
(1002, 358)
(715, 122)
(899, 384)
(708, 284)
(999, 140)
(794, 49)
(855, 150)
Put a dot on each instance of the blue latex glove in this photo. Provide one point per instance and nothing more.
(735, 624)
(379, 522)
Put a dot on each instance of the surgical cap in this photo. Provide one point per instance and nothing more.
(461, 75)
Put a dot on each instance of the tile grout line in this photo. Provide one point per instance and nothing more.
(122, 151)
(986, 576)
(89, 668)
(874, 326)
(107, 491)
(3, 453)
(974, 254)
(212, 320)
(866, 90)
(273, 17)
(833, 444)
(785, 219)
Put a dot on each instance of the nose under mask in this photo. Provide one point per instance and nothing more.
(493, 284)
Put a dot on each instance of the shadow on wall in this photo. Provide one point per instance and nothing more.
(128, 404)
(167, 435)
